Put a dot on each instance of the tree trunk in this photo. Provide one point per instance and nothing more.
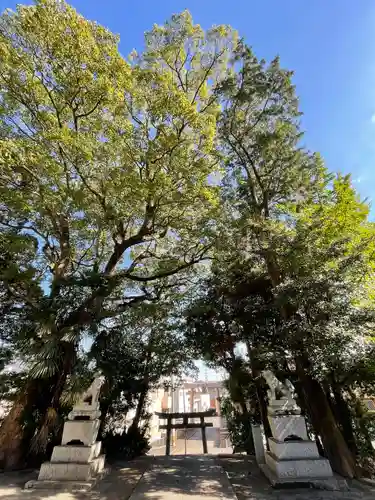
(104, 410)
(40, 440)
(324, 423)
(249, 444)
(344, 418)
(255, 370)
(146, 384)
(243, 406)
(362, 423)
(51, 415)
(140, 408)
(12, 431)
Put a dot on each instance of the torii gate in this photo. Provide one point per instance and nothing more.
(186, 425)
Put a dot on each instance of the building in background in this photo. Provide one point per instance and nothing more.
(188, 396)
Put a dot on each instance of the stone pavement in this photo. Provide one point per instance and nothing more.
(183, 478)
(119, 484)
(250, 484)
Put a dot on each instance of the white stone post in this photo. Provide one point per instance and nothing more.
(256, 431)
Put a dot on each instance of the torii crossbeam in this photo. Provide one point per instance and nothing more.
(185, 425)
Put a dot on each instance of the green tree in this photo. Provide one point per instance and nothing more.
(107, 164)
(138, 354)
(286, 217)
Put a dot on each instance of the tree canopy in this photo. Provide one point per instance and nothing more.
(162, 205)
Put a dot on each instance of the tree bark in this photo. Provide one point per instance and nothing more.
(40, 440)
(106, 399)
(12, 431)
(344, 418)
(146, 384)
(319, 446)
(360, 413)
(324, 423)
(140, 408)
(259, 390)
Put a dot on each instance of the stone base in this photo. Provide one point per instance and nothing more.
(293, 450)
(286, 425)
(333, 483)
(299, 468)
(83, 414)
(224, 441)
(69, 486)
(85, 431)
(69, 471)
(76, 454)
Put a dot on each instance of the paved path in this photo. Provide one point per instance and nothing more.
(184, 478)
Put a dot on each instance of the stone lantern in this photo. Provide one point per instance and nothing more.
(78, 461)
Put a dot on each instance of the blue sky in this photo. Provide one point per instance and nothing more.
(328, 43)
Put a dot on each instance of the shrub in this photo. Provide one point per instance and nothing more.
(127, 444)
(239, 427)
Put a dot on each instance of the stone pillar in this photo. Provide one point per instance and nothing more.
(256, 431)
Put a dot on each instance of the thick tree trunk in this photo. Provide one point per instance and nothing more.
(40, 394)
(104, 409)
(146, 385)
(344, 418)
(13, 443)
(249, 444)
(360, 413)
(324, 423)
(109, 395)
(40, 440)
(51, 416)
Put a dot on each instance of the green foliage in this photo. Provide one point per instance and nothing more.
(127, 444)
(105, 163)
(137, 354)
(239, 427)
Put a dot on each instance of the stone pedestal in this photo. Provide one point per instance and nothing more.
(288, 425)
(292, 457)
(77, 462)
(84, 431)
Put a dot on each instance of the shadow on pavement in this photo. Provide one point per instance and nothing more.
(180, 476)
